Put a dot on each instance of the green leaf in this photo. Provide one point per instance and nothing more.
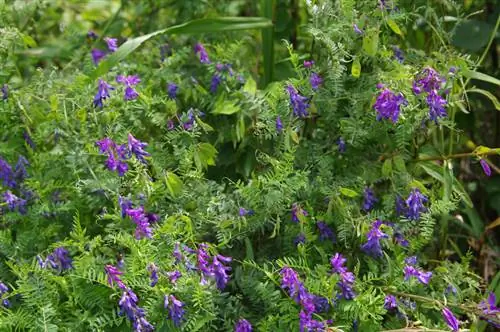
(399, 163)
(204, 25)
(28, 41)
(205, 155)
(266, 10)
(356, 68)
(482, 77)
(387, 168)
(250, 86)
(370, 42)
(174, 184)
(224, 106)
(489, 95)
(394, 26)
(472, 35)
(348, 192)
(435, 171)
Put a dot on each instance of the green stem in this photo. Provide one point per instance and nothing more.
(459, 155)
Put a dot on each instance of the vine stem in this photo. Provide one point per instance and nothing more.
(458, 155)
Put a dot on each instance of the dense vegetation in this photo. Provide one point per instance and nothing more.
(239, 165)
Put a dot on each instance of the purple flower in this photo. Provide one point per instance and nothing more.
(422, 276)
(427, 80)
(308, 63)
(388, 105)
(450, 289)
(129, 82)
(279, 124)
(128, 304)
(369, 199)
(357, 29)
(172, 90)
(400, 206)
(14, 202)
(450, 319)
(117, 155)
(372, 246)
(315, 80)
(177, 253)
(92, 35)
(4, 290)
(412, 260)
(244, 212)
(62, 257)
(136, 147)
(188, 120)
(325, 232)
(341, 145)
(415, 204)
(102, 93)
(243, 326)
(399, 239)
(219, 270)
(6, 174)
(114, 276)
(290, 282)
(307, 323)
(214, 84)
(112, 43)
(390, 302)
(398, 54)
(97, 55)
(174, 275)
(321, 304)
(300, 239)
(299, 103)
(175, 309)
(486, 167)
(124, 204)
(143, 226)
(436, 106)
(29, 140)
(5, 91)
(297, 212)
(346, 278)
(200, 50)
(489, 307)
(153, 270)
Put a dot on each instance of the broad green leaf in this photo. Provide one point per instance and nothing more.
(225, 106)
(356, 68)
(394, 26)
(294, 136)
(348, 192)
(204, 25)
(472, 35)
(250, 86)
(419, 185)
(174, 184)
(482, 77)
(399, 163)
(205, 155)
(370, 42)
(28, 40)
(387, 168)
(489, 95)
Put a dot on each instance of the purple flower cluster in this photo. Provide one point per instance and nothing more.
(299, 239)
(5, 91)
(12, 176)
(175, 309)
(357, 29)
(415, 204)
(243, 326)
(390, 303)
(341, 145)
(118, 154)
(485, 166)
(129, 305)
(308, 63)
(346, 278)
(298, 212)
(430, 82)
(201, 52)
(112, 44)
(244, 212)
(172, 90)
(129, 82)
(3, 291)
(153, 274)
(310, 303)
(215, 82)
(14, 203)
(174, 276)
(298, 102)
(279, 124)
(411, 271)
(212, 267)
(315, 80)
(398, 54)
(490, 310)
(373, 246)
(102, 94)
(369, 199)
(143, 221)
(98, 54)
(129, 301)
(451, 320)
(59, 260)
(388, 105)
(325, 232)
